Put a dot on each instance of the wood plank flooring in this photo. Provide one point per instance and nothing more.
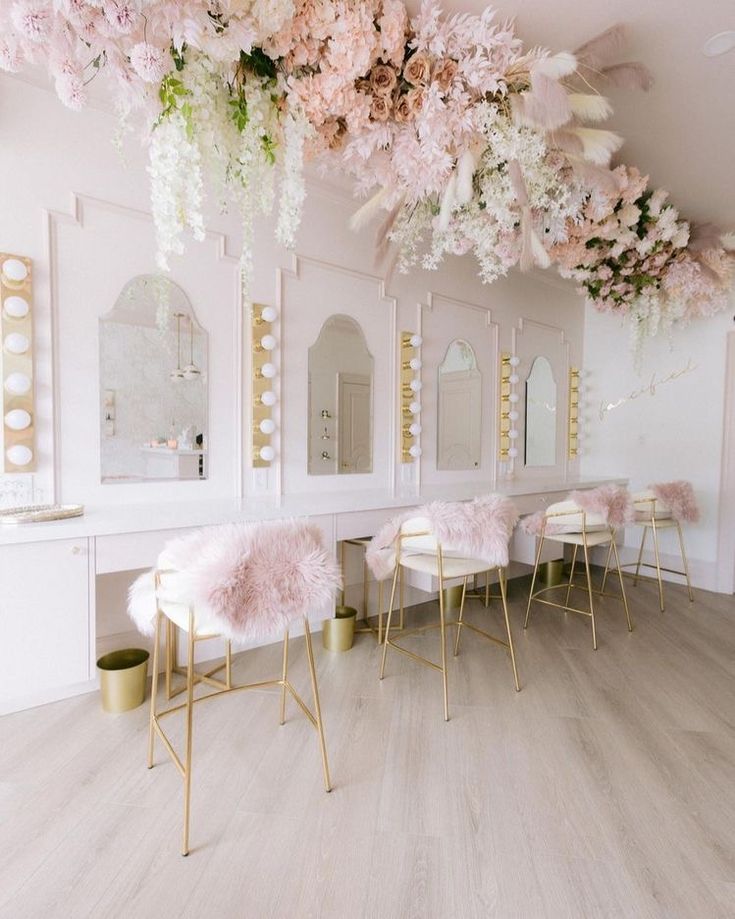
(605, 788)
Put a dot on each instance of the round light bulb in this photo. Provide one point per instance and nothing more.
(268, 343)
(16, 271)
(16, 307)
(415, 363)
(18, 384)
(267, 453)
(416, 341)
(514, 361)
(18, 419)
(414, 429)
(267, 426)
(415, 450)
(19, 455)
(16, 343)
(513, 434)
(268, 370)
(269, 314)
(268, 397)
(416, 385)
(513, 379)
(513, 415)
(512, 452)
(513, 397)
(415, 408)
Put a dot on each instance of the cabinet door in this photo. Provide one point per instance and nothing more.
(44, 618)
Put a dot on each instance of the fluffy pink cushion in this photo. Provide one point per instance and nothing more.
(478, 529)
(248, 581)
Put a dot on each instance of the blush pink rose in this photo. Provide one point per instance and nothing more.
(417, 69)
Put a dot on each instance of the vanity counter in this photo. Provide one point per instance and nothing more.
(106, 520)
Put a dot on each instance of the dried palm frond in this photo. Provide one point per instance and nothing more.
(556, 66)
(597, 145)
(628, 75)
(545, 105)
(601, 50)
(590, 106)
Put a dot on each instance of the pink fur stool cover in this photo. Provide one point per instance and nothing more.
(479, 529)
(612, 502)
(679, 498)
(249, 581)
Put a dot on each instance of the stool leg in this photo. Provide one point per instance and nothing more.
(658, 565)
(487, 589)
(170, 662)
(607, 569)
(442, 630)
(284, 677)
(684, 559)
(640, 557)
(387, 624)
(189, 726)
(228, 665)
(589, 592)
(533, 581)
(401, 596)
(317, 706)
(365, 589)
(622, 586)
(380, 612)
(460, 618)
(571, 574)
(504, 598)
(154, 689)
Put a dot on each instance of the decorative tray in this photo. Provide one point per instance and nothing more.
(34, 513)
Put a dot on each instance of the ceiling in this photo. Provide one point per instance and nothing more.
(682, 132)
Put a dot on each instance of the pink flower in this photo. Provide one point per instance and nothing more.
(380, 108)
(383, 80)
(11, 58)
(402, 110)
(393, 26)
(121, 14)
(444, 73)
(70, 89)
(417, 69)
(149, 62)
(33, 19)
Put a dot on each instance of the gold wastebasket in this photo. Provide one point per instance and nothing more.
(551, 573)
(122, 679)
(338, 634)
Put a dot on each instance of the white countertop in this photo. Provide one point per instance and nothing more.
(104, 520)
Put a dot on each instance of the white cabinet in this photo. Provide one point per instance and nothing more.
(44, 620)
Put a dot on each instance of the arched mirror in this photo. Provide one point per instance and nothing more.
(540, 415)
(460, 408)
(340, 400)
(153, 385)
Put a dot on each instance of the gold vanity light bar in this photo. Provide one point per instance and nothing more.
(508, 411)
(410, 395)
(573, 416)
(16, 330)
(263, 344)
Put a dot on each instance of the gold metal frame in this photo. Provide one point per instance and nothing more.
(653, 524)
(573, 414)
(367, 626)
(192, 678)
(570, 585)
(18, 363)
(407, 396)
(443, 624)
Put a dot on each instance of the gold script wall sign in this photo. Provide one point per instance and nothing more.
(649, 389)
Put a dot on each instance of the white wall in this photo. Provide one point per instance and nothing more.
(103, 237)
(661, 421)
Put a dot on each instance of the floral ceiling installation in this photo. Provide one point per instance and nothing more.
(461, 139)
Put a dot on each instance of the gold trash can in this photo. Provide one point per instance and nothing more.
(338, 634)
(551, 573)
(122, 679)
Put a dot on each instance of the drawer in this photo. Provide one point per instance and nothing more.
(128, 551)
(365, 523)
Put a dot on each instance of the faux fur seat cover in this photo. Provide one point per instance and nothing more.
(612, 502)
(679, 499)
(247, 581)
(479, 529)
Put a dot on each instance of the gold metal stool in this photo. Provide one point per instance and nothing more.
(184, 765)
(587, 538)
(367, 626)
(653, 518)
(428, 557)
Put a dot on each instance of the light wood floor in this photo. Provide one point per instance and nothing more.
(606, 788)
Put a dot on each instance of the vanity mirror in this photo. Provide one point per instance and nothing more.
(540, 414)
(459, 406)
(153, 385)
(340, 400)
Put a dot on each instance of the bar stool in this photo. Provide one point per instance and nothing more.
(663, 507)
(570, 523)
(362, 543)
(242, 582)
(438, 541)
